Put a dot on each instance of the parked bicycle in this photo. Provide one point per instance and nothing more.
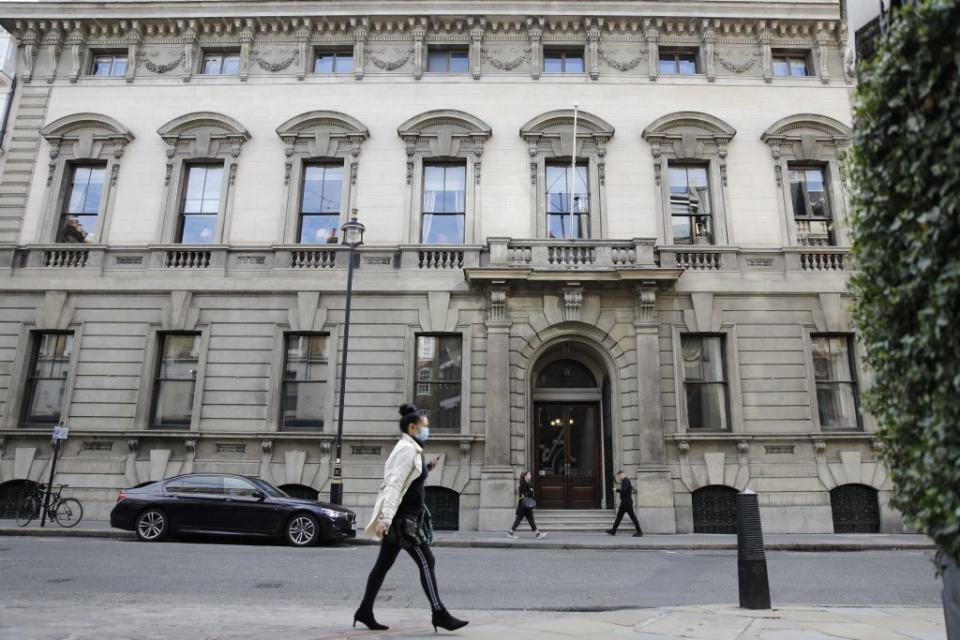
(66, 511)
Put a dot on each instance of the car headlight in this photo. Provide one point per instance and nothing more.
(335, 515)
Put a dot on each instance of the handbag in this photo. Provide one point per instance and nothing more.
(529, 503)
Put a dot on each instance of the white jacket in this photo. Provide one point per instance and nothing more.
(404, 465)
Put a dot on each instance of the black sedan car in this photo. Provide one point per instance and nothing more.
(228, 504)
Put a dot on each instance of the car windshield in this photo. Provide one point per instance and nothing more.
(268, 488)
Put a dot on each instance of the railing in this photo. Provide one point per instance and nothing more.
(313, 259)
(440, 259)
(187, 259)
(65, 258)
(570, 254)
(822, 261)
(699, 260)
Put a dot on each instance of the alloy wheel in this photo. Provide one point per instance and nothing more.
(302, 530)
(150, 526)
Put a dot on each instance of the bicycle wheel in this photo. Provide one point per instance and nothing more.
(69, 512)
(27, 510)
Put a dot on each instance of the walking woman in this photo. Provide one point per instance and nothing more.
(525, 506)
(400, 521)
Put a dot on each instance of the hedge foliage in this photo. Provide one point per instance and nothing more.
(905, 171)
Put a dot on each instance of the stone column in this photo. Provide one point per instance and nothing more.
(496, 476)
(655, 506)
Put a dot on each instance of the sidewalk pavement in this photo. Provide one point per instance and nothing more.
(567, 540)
(164, 621)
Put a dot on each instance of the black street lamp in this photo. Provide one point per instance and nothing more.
(353, 238)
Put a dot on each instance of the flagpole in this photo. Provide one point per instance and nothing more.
(573, 168)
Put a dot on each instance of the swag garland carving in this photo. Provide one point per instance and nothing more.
(743, 67)
(153, 67)
(386, 65)
(621, 66)
(508, 65)
(274, 67)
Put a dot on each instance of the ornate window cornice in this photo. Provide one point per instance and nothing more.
(690, 135)
(203, 134)
(87, 136)
(444, 133)
(322, 134)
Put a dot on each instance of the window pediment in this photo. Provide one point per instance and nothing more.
(323, 134)
(86, 136)
(807, 136)
(204, 134)
(689, 135)
(444, 132)
(550, 133)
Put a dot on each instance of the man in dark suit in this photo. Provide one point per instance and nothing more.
(626, 505)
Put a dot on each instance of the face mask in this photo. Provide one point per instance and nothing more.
(423, 435)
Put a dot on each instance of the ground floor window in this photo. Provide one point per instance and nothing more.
(855, 509)
(444, 505)
(715, 510)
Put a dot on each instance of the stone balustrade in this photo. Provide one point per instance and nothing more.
(539, 254)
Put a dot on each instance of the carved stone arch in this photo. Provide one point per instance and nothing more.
(200, 136)
(810, 139)
(693, 137)
(550, 137)
(327, 137)
(82, 138)
(446, 134)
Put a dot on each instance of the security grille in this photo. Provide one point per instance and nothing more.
(444, 505)
(855, 509)
(715, 510)
(11, 494)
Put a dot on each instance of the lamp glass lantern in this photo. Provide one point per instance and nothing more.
(353, 232)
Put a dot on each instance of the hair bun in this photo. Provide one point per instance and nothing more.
(407, 408)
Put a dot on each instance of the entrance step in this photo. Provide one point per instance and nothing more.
(596, 520)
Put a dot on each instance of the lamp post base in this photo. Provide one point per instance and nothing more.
(336, 492)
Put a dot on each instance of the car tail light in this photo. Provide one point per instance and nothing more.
(121, 497)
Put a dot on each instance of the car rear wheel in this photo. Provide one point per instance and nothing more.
(303, 530)
(152, 525)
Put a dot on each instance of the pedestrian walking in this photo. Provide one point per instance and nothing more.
(626, 505)
(526, 503)
(401, 521)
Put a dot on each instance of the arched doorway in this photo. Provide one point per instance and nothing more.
(571, 455)
(855, 508)
(715, 509)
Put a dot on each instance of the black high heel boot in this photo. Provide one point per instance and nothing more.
(444, 620)
(366, 617)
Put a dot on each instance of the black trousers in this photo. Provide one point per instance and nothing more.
(388, 554)
(626, 508)
(521, 514)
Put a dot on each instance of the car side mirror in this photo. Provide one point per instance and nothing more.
(260, 495)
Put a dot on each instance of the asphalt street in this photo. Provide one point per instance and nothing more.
(97, 572)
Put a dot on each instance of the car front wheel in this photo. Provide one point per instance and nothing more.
(303, 530)
(152, 525)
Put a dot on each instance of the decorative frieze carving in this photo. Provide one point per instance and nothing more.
(275, 67)
(629, 65)
(522, 56)
(738, 67)
(390, 65)
(165, 67)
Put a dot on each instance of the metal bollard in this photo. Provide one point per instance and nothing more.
(751, 556)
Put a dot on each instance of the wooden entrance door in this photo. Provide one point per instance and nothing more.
(567, 454)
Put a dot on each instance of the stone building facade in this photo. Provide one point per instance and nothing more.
(663, 291)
